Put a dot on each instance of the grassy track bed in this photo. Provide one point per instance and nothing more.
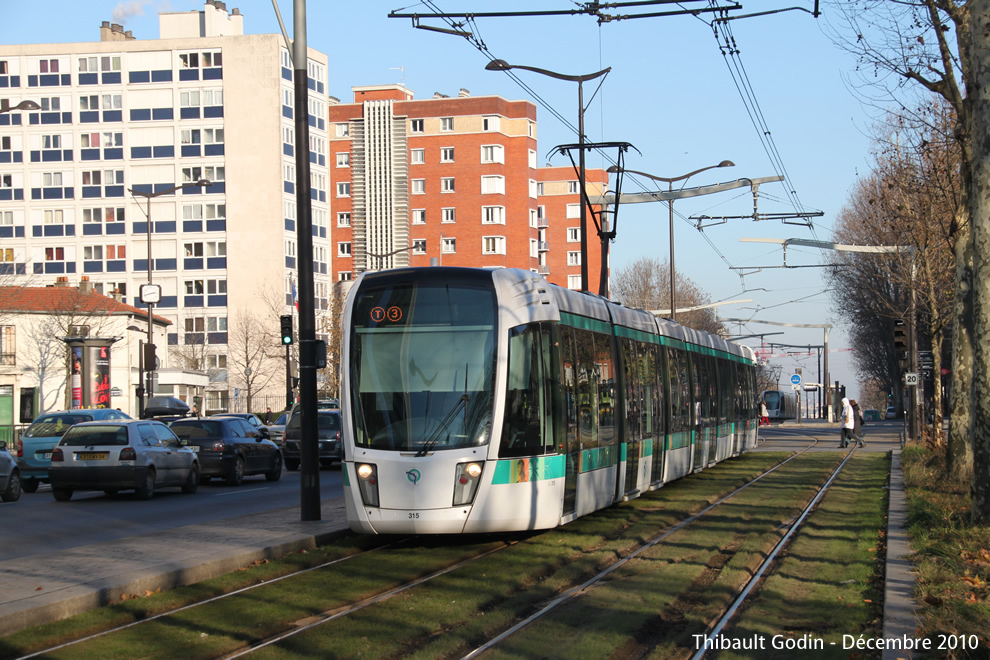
(829, 581)
(444, 617)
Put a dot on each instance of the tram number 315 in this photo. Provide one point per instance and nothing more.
(413, 515)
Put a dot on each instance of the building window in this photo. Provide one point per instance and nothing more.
(419, 246)
(574, 258)
(6, 218)
(416, 126)
(574, 282)
(533, 219)
(216, 362)
(417, 156)
(418, 186)
(449, 215)
(215, 287)
(493, 153)
(573, 234)
(573, 211)
(446, 123)
(447, 155)
(93, 253)
(54, 254)
(51, 104)
(344, 219)
(343, 249)
(539, 189)
(344, 189)
(534, 189)
(344, 159)
(344, 276)
(51, 180)
(216, 248)
(194, 288)
(534, 248)
(343, 130)
(116, 252)
(493, 215)
(193, 249)
(448, 245)
(572, 187)
(493, 185)
(419, 216)
(493, 245)
(8, 347)
(489, 123)
(532, 159)
(53, 216)
(447, 184)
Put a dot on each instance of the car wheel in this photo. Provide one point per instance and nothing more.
(147, 490)
(292, 464)
(276, 472)
(13, 492)
(192, 482)
(30, 485)
(62, 494)
(236, 475)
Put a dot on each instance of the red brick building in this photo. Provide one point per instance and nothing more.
(453, 180)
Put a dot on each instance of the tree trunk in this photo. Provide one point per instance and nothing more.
(979, 200)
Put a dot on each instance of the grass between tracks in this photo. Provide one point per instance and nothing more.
(952, 556)
(668, 591)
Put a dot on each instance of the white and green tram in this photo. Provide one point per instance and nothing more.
(490, 400)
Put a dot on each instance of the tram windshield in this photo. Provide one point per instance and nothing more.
(422, 364)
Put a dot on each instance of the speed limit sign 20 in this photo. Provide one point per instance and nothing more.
(911, 379)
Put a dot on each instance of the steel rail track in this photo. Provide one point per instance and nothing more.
(576, 591)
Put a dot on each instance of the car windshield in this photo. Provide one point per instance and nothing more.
(98, 434)
(281, 419)
(54, 426)
(324, 421)
(198, 429)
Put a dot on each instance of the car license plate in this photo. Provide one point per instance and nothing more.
(92, 455)
(47, 455)
(194, 448)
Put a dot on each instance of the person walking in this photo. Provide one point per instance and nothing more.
(764, 415)
(268, 416)
(848, 424)
(857, 422)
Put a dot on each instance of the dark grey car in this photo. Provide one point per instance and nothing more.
(10, 476)
(328, 432)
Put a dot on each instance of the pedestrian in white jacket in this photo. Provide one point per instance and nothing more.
(848, 424)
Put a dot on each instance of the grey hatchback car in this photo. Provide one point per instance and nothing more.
(138, 455)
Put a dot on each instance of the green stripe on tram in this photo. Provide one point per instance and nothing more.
(523, 470)
(598, 458)
(585, 323)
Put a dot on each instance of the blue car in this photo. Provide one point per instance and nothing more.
(35, 453)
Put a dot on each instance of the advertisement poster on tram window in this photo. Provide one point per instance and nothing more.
(99, 373)
(76, 357)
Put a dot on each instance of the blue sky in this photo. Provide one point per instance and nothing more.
(670, 94)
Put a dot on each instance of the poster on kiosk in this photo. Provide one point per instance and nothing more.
(89, 379)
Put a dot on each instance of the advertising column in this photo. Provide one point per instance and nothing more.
(89, 379)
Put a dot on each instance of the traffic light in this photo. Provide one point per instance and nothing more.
(286, 322)
(900, 336)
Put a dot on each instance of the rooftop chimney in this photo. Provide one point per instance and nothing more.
(61, 281)
(463, 93)
(85, 286)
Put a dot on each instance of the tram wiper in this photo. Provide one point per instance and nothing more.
(434, 438)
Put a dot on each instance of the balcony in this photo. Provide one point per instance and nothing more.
(543, 246)
(543, 222)
(544, 269)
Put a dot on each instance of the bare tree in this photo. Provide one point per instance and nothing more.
(645, 284)
(253, 354)
(942, 46)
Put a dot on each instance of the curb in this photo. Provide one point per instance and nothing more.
(900, 618)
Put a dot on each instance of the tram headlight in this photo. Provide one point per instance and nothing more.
(368, 483)
(467, 476)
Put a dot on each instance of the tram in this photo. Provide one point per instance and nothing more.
(781, 405)
(484, 400)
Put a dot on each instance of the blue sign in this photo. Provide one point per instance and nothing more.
(236, 392)
(796, 379)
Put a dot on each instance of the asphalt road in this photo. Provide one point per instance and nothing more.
(38, 524)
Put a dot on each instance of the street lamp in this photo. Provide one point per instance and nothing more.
(23, 105)
(670, 202)
(502, 65)
(149, 293)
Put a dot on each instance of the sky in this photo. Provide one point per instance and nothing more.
(670, 93)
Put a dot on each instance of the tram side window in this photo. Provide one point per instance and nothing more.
(522, 431)
(587, 388)
(568, 378)
(634, 386)
(680, 390)
(725, 381)
(605, 366)
(652, 393)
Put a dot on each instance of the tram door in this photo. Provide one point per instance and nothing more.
(567, 427)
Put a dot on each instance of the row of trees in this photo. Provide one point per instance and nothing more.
(918, 49)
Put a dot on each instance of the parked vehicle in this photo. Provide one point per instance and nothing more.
(10, 475)
(138, 455)
(35, 452)
(328, 433)
(891, 413)
(229, 447)
(871, 415)
(277, 430)
(321, 404)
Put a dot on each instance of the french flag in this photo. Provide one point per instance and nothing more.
(295, 298)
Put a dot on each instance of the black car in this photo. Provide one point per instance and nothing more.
(250, 418)
(229, 447)
(328, 432)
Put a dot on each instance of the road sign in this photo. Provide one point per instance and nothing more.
(911, 379)
(796, 387)
(796, 379)
(237, 391)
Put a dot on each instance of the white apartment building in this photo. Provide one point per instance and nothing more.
(202, 101)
